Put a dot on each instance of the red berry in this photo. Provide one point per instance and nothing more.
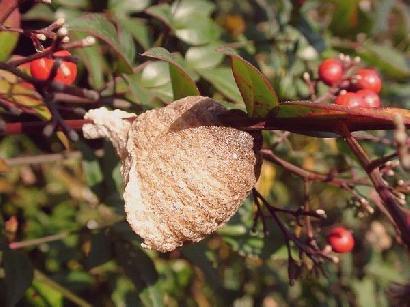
(368, 79)
(370, 99)
(350, 100)
(331, 71)
(66, 73)
(341, 240)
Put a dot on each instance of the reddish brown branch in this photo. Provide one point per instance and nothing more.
(37, 127)
(400, 216)
(311, 175)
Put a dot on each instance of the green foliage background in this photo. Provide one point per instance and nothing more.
(98, 258)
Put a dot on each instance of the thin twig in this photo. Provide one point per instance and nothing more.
(35, 242)
(38, 275)
(399, 215)
(311, 175)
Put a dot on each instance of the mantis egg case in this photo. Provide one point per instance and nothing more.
(185, 174)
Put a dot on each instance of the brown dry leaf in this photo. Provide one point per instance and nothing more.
(4, 167)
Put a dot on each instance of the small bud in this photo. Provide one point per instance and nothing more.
(321, 212)
(73, 136)
(357, 59)
(327, 249)
(388, 164)
(342, 92)
(89, 41)
(41, 36)
(390, 173)
(342, 56)
(66, 39)
(363, 201)
(335, 259)
(306, 76)
(400, 137)
(400, 182)
(92, 224)
(91, 94)
(395, 163)
(401, 196)
(348, 59)
(62, 32)
(46, 1)
(48, 130)
(60, 14)
(370, 209)
(60, 21)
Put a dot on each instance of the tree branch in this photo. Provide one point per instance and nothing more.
(400, 216)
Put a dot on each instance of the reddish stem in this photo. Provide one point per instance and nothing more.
(37, 127)
(400, 216)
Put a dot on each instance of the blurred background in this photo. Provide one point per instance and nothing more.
(61, 209)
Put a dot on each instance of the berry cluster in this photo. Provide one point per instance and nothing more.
(355, 87)
(66, 71)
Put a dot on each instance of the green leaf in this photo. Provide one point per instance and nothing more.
(185, 11)
(162, 12)
(40, 11)
(137, 28)
(223, 80)
(92, 58)
(127, 6)
(99, 26)
(204, 56)
(182, 84)
(92, 170)
(77, 4)
(237, 233)
(41, 294)
(100, 251)
(8, 40)
(189, 20)
(199, 255)
(126, 40)
(349, 19)
(155, 74)
(390, 61)
(141, 270)
(139, 94)
(22, 95)
(366, 292)
(257, 92)
(18, 275)
(198, 32)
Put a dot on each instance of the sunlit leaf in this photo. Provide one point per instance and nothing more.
(127, 6)
(93, 60)
(223, 80)
(8, 40)
(204, 56)
(182, 84)
(138, 29)
(255, 88)
(99, 26)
